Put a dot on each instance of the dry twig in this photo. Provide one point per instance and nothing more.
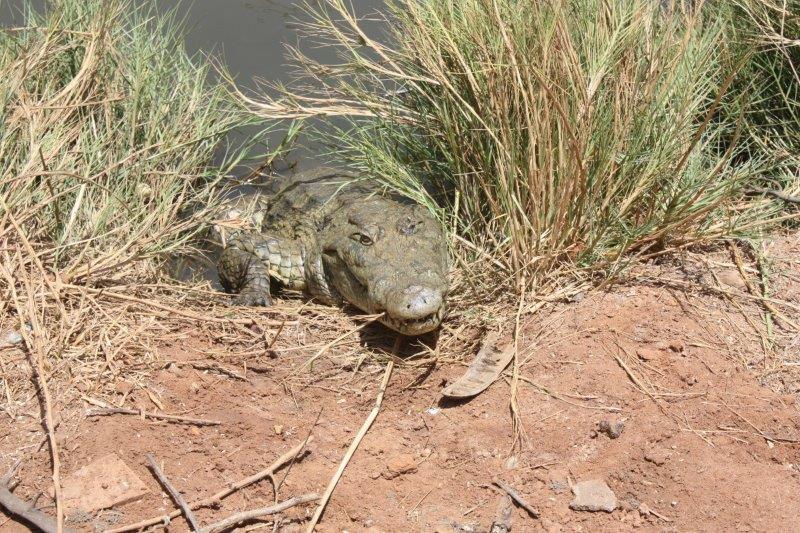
(158, 416)
(237, 518)
(224, 493)
(176, 496)
(519, 500)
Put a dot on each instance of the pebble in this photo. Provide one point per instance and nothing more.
(398, 465)
(593, 495)
(13, 337)
(612, 429)
(512, 462)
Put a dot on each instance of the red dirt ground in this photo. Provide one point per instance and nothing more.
(711, 438)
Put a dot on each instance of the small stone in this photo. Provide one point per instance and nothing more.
(278, 429)
(731, 278)
(612, 429)
(593, 495)
(512, 462)
(13, 337)
(400, 464)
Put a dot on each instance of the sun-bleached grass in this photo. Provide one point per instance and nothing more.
(568, 136)
(767, 35)
(112, 156)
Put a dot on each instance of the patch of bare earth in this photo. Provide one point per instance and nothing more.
(703, 390)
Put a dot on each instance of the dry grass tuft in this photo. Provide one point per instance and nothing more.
(112, 156)
(561, 139)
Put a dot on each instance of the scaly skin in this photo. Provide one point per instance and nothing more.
(340, 240)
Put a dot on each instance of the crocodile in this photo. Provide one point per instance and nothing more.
(341, 239)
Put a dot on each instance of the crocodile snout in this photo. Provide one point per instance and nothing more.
(415, 303)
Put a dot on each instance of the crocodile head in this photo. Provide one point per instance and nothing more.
(384, 256)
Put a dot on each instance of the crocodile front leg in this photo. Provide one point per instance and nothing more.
(244, 273)
(251, 259)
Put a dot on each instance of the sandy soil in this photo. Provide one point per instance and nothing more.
(707, 395)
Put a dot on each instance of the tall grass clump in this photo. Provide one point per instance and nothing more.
(564, 135)
(112, 155)
(108, 137)
(764, 37)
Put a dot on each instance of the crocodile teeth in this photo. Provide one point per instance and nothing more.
(412, 326)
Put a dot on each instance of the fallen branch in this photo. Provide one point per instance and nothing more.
(237, 518)
(216, 498)
(176, 496)
(26, 510)
(519, 500)
(353, 446)
(140, 412)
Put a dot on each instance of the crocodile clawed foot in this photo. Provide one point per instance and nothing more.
(253, 299)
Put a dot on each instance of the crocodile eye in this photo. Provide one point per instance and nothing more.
(366, 240)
